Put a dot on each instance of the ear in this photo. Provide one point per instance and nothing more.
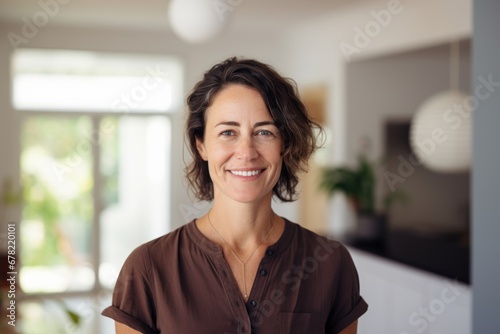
(201, 149)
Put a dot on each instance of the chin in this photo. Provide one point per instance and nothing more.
(246, 197)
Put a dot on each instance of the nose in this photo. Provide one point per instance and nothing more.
(246, 149)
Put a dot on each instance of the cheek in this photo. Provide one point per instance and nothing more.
(279, 166)
(274, 157)
(218, 154)
(275, 151)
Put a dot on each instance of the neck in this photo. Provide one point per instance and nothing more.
(242, 225)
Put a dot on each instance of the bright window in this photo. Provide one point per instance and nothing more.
(61, 80)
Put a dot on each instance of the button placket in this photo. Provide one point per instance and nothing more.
(231, 287)
(261, 286)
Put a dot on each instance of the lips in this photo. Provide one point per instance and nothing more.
(246, 172)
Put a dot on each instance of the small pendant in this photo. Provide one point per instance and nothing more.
(245, 296)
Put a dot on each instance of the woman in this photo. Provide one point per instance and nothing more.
(241, 268)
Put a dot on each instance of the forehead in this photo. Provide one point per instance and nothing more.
(238, 101)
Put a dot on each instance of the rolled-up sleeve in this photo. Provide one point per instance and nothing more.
(349, 305)
(133, 302)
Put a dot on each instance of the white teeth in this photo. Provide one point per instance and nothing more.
(245, 173)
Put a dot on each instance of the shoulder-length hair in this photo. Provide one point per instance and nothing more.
(280, 95)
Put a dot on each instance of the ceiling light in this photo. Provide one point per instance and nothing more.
(440, 131)
(195, 21)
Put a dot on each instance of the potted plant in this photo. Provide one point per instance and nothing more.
(359, 184)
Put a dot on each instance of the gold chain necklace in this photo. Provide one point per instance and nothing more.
(243, 264)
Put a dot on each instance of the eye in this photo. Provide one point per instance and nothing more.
(265, 133)
(227, 133)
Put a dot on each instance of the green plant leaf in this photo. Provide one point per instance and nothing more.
(74, 317)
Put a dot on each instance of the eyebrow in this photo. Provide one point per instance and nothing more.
(256, 125)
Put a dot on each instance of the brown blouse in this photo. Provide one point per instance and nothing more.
(180, 283)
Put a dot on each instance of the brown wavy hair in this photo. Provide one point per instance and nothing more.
(280, 95)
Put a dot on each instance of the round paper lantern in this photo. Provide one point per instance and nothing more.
(440, 132)
(195, 21)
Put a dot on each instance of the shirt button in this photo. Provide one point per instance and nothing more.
(253, 303)
(269, 252)
(263, 272)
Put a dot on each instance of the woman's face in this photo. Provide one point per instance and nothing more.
(242, 145)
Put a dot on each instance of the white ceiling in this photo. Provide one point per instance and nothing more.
(248, 15)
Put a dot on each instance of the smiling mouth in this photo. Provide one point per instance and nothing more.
(246, 172)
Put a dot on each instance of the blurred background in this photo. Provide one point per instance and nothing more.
(92, 110)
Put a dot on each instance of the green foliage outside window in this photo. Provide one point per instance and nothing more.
(57, 190)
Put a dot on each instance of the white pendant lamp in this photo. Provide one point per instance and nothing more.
(195, 21)
(440, 131)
